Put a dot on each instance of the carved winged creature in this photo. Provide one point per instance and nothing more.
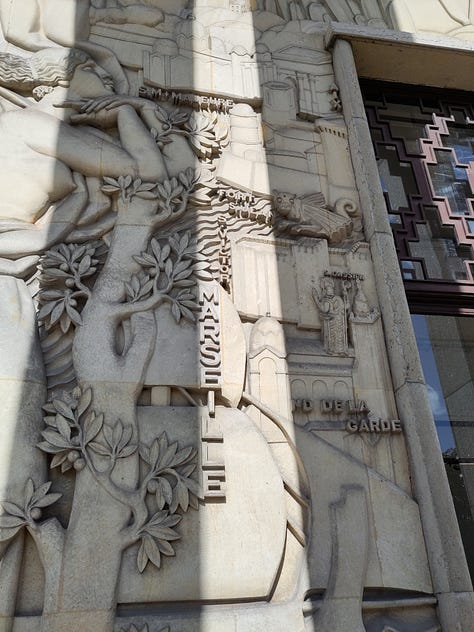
(309, 216)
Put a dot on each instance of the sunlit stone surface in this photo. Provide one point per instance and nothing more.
(199, 427)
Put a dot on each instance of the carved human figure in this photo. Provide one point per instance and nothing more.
(41, 206)
(448, 15)
(34, 25)
(333, 310)
(360, 305)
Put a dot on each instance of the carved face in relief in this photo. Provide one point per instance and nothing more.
(284, 202)
(327, 286)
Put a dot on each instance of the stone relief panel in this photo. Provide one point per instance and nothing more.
(454, 18)
(197, 397)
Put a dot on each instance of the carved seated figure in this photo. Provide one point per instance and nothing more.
(453, 17)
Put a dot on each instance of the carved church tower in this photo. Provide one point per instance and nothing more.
(214, 412)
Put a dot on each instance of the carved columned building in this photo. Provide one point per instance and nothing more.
(236, 315)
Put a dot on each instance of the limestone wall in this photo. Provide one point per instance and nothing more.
(202, 426)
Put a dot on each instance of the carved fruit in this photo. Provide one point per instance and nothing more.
(75, 441)
(73, 456)
(69, 282)
(152, 487)
(64, 267)
(36, 513)
(79, 465)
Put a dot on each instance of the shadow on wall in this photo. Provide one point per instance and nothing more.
(185, 238)
(90, 201)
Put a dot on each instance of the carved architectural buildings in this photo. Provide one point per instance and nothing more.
(214, 417)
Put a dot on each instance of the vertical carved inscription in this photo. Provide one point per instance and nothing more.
(210, 360)
(213, 465)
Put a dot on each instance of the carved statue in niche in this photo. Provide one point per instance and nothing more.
(333, 310)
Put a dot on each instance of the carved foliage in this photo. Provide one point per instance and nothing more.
(28, 512)
(168, 480)
(170, 266)
(78, 437)
(65, 271)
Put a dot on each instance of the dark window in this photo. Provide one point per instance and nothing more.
(424, 145)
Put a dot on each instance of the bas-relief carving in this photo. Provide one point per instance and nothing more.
(448, 17)
(172, 243)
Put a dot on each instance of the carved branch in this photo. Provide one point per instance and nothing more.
(126, 310)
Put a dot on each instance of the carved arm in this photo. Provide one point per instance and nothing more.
(35, 239)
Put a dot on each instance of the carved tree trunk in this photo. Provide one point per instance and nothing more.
(94, 539)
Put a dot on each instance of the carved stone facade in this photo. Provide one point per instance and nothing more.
(201, 426)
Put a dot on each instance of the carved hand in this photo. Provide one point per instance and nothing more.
(109, 102)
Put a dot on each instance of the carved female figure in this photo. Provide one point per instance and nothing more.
(449, 16)
(53, 154)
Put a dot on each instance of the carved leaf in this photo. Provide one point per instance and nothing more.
(63, 426)
(39, 493)
(167, 455)
(142, 558)
(29, 491)
(11, 522)
(57, 312)
(58, 459)
(84, 401)
(100, 448)
(162, 533)
(187, 470)
(181, 266)
(182, 495)
(117, 433)
(184, 283)
(193, 487)
(92, 426)
(144, 453)
(64, 321)
(108, 434)
(182, 456)
(46, 310)
(185, 274)
(152, 551)
(13, 509)
(73, 315)
(168, 268)
(50, 449)
(50, 499)
(63, 409)
(145, 260)
(176, 312)
(127, 451)
(127, 432)
(55, 439)
(164, 493)
(187, 313)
